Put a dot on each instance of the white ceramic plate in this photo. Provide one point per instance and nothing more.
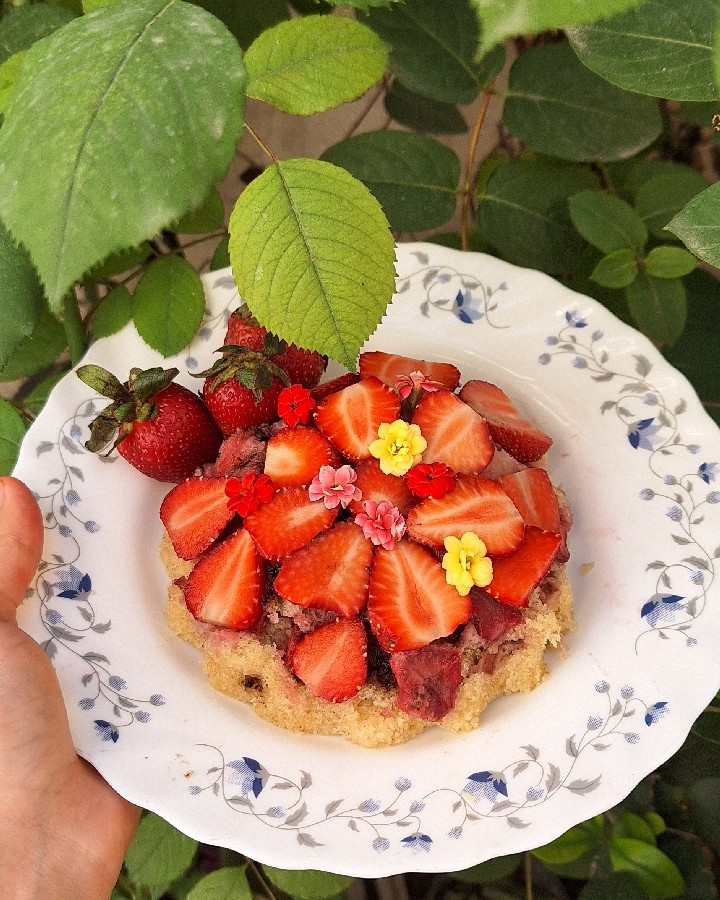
(639, 459)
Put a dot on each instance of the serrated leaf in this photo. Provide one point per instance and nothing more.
(28, 23)
(434, 48)
(557, 106)
(226, 883)
(118, 263)
(523, 212)
(113, 313)
(607, 222)
(314, 63)
(21, 296)
(414, 177)
(655, 872)
(159, 852)
(208, 216)
(309, 884)
(669, 262)
(658, 306)
(509, 18)
(76, 85)
(313, 256)
(616, 270)
(12, 431)
(168, 304)
(247, 20)
(658, 48)
(421, 113)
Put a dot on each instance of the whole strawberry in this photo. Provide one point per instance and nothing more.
(303, 367)
(242, 389)
(159, 427)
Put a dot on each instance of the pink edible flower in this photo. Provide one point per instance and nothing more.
(415, 381)
(382, 523)
(335, 486)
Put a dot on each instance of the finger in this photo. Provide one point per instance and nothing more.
(21, 541)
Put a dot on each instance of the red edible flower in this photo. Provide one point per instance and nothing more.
(430, 480)
(295, 403)
(247, 493)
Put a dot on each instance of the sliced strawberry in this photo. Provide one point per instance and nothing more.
(288, 521)
(502, 464)
(294, 455)
(332, 387)
(492, 619)
(194, 514)
(532, 492)
(509, 429)
(515, 577)
(455, 433)
(410, 602)
(332, 660)
(376, 485)
(350, 418)
(476, 504)
(226, 586)
(331, 572)
(428, 680)
(388, 367)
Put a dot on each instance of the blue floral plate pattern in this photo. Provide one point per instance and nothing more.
(640, 461)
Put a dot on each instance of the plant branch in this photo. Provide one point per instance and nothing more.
(260, 143)
(527, 861)
(380, 89)
(487, 96)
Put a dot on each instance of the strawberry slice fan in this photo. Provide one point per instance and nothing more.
(391, 535)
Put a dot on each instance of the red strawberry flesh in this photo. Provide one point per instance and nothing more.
(376, 485)
(350, 418)
(456, 435)
(515, 577)
(428, 680)
(534, 496)
(332, 660)
(388, 367)
(294, 455)
(194, 513)
(491, 618)
(287, 522)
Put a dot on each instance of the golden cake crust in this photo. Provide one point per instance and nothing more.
(249, 669)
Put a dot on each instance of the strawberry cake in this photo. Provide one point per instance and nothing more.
(383, 554)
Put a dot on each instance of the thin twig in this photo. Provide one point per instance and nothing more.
(487, 96)
(528, 876)
(260, 143)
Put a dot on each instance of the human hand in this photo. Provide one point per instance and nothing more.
(63, 830)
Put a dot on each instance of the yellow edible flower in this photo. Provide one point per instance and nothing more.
(399, 447)
(465, 563)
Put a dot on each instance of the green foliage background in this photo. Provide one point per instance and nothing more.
(119, 119)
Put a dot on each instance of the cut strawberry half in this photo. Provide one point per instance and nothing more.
(294, 455)
(492, 619)
(410, 603)
(323, 390)
(388, 367)
(194, 514)
(332, 660)
(515, 577)
(476, 504)
(532, 492)
(350, 418)
(509, 429)
(226, 586)
(377, 486)
(331, 572)
(456, 435)
(288, 521)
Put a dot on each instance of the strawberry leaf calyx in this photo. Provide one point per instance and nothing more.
(251, 369)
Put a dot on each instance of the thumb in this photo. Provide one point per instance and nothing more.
(21, 541)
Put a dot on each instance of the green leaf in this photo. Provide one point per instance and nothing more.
(26, 24)
(37, 351)
(168, 304)
(106, 185)
(509, 18)
(524, 213)
(422, 114)
(117, 263)
(607, 222)
(669, 262)
(247, 20)
(658, 307)
(113, 312)
(492, 870)
(37, 398)
(557, 106)
(209, 216)
(414, 177)
(630, 825)
(704, 799)
(314, 63)
(227, 883)
(9, 74)
(616, 270)
(659, 48)
(91, 5)
(698, 225)
(617, 886)
(568, 847)
(21, 296)
(434, 48)
(655, 872)
(664, 194)
(159, 852)
(313, 256)
(221, 256)
(689, 856)
(12, 431)
(309, 884)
